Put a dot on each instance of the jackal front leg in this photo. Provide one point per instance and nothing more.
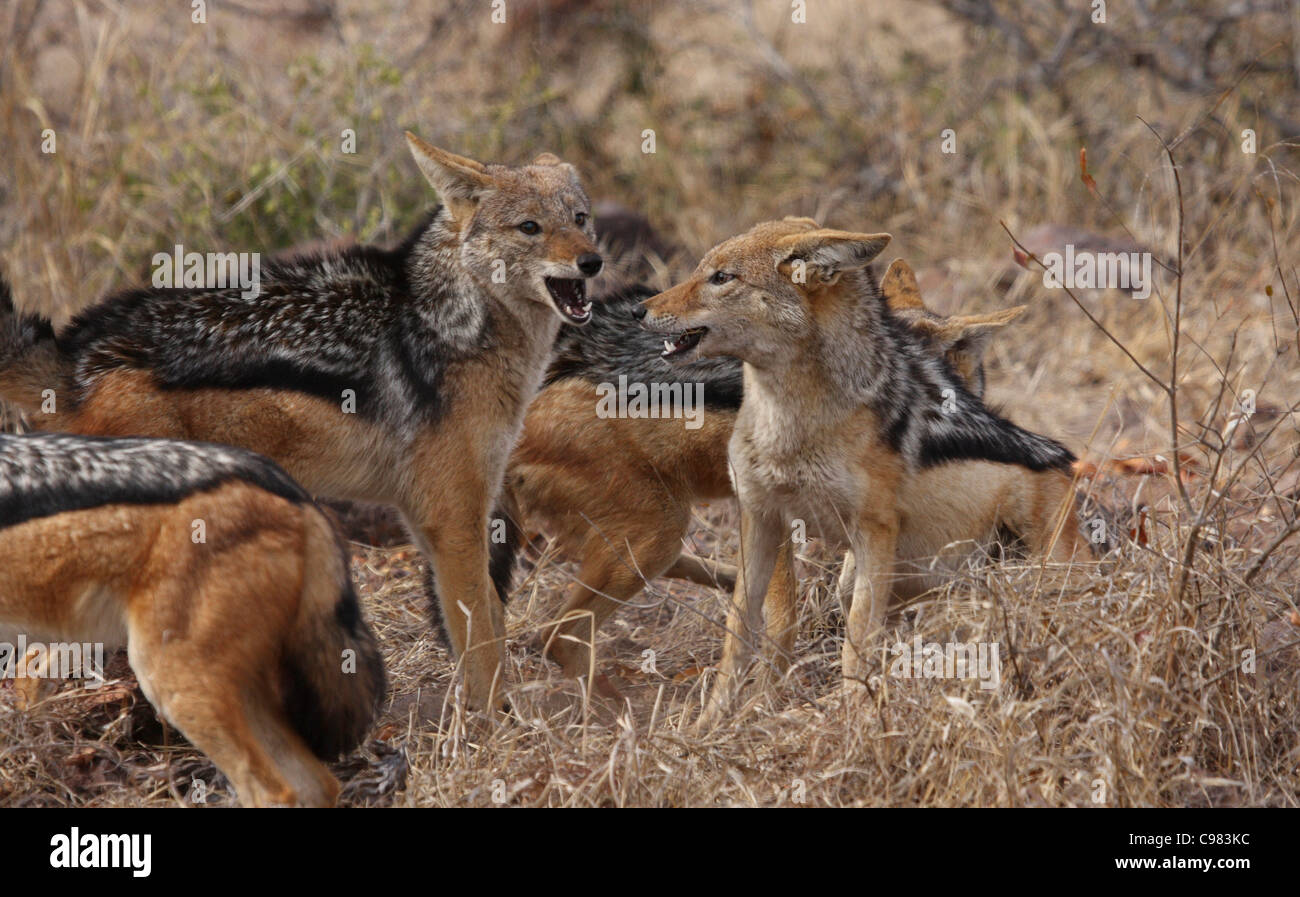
(760, 542)
(456, 543)
(780, 608)
(848, 576)
(874, 546)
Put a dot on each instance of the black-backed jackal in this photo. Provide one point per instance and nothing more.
(227, 586)
(626, 525)
(851, 426)
(395, 376)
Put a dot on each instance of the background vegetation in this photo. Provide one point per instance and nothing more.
(1166, 674)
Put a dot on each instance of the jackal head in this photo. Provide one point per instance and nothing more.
(758, 296)
(525, 233)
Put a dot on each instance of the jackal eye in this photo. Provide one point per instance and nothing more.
(531, 228)
(580, 219)
(721, 277)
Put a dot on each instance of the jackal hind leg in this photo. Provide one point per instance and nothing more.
(607, 580)
(212, 712)
(217, 679)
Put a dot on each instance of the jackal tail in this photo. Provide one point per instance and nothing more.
(333, 673)
(30, 362)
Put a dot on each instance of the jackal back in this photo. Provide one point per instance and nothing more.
(44, 474)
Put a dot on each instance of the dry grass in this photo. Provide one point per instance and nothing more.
(1124, 682)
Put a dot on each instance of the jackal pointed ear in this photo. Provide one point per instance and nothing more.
(987, 323)
(963, 340)
(459, 181)
(965, 336)
(971, 332)
(900, 287)
(829, 253)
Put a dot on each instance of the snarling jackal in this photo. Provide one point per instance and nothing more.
(851, 428)
(396, 376)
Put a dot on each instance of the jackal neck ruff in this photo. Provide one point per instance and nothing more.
(387, 324)
(43, 474)
(858, 353)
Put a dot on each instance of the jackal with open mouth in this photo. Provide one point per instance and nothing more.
(396, 376)
(851, 426)
(626, 526)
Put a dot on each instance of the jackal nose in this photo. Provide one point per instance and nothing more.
(589, 263)
(638, 312)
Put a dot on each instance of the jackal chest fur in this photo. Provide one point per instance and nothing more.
(821, 468)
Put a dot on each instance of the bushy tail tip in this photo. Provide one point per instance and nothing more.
(334, 679)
